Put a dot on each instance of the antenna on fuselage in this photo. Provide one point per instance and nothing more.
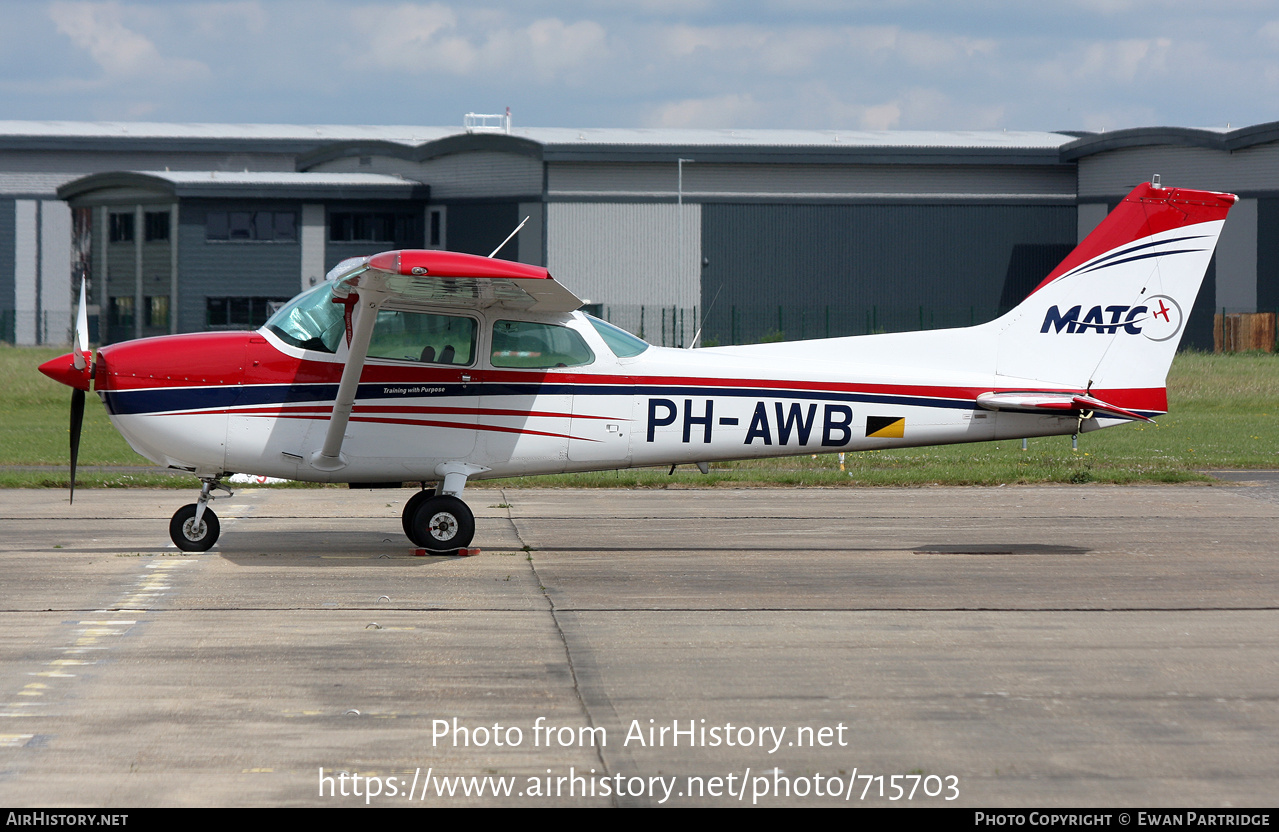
(508, 238)
(705, 315)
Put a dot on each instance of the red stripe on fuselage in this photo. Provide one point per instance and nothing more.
(229, 358)
(430, 423)
(291, 410)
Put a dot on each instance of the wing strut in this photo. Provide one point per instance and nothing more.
(329, 457)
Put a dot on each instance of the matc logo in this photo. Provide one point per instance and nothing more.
(1159, 319)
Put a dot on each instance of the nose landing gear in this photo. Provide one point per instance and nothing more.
(194, 527)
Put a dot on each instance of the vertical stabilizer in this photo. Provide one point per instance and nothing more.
(1111, 315)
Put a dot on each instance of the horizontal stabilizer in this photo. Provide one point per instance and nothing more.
(1053, 403)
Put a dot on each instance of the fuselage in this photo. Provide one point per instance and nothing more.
(250, 402)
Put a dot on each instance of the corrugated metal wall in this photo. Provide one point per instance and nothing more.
(475, 174)
(1267, 254)
(1198, 334)
(626, 258)
(794, 180)
(478, 228)
(230, 269)
(1116, 172)
(816, 270)
(620, 254)
(1237, 260)
(6, 270)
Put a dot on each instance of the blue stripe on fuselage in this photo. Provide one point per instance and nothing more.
(187, 399)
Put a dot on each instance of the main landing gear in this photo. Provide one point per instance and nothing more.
(194, 527)
(438, 522)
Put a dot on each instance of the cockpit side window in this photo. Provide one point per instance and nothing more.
(424, 336)
(310, 321)
(526, 345)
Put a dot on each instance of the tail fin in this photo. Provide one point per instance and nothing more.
(1110, 317)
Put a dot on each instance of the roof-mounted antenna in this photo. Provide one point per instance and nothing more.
(1154, 182)
(705, 315)
(508, 238)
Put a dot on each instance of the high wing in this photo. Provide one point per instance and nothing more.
(440, 278)
(446, 278)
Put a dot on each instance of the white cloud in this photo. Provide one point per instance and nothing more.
(844, 64)
(216, 21)
(435, 38)
(1107, 62)
(549, 47)
(730, 110)
(97, 28)
(881, 117)
(1269, 33)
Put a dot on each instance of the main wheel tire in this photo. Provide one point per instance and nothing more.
(410, 510)
(191, 538)
(442, 524)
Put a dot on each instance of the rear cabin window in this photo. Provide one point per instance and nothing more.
(525, 345)
(424, 336)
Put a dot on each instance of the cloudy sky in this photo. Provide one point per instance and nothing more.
(881, 64)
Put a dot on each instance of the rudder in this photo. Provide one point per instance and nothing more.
(1110, 316)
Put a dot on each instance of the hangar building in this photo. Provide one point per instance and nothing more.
(760, 233)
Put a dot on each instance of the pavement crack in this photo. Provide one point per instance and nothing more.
(559, 630)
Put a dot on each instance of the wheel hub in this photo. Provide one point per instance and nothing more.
(443, 526)
(194, 532)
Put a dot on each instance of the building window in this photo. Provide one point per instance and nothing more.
(240, 313)
(122, 228)
(120, 313)
(435, 233)
(350, 227)
(157, 226)
(158, 311)
(252, 226)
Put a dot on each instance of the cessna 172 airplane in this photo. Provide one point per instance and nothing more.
(434, 366)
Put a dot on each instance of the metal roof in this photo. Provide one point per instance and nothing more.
(1213, 138)
(315, 143)
(550, 143)
(276, 184)
(410, 135)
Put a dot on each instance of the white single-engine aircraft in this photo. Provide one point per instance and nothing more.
(435, 366)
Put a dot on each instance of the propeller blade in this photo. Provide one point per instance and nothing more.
(77, 421)
(81, 338)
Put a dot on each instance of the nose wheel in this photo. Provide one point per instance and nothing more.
(191, 535)
(439, 523)
(194, 527)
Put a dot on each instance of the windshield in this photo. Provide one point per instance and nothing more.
(622, 343)
(311, 321)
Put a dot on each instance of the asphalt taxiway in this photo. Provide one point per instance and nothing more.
(1014, 646)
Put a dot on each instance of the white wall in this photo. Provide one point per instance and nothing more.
(56, 302)
(626, 253)
(26, 243)
(313, 232)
